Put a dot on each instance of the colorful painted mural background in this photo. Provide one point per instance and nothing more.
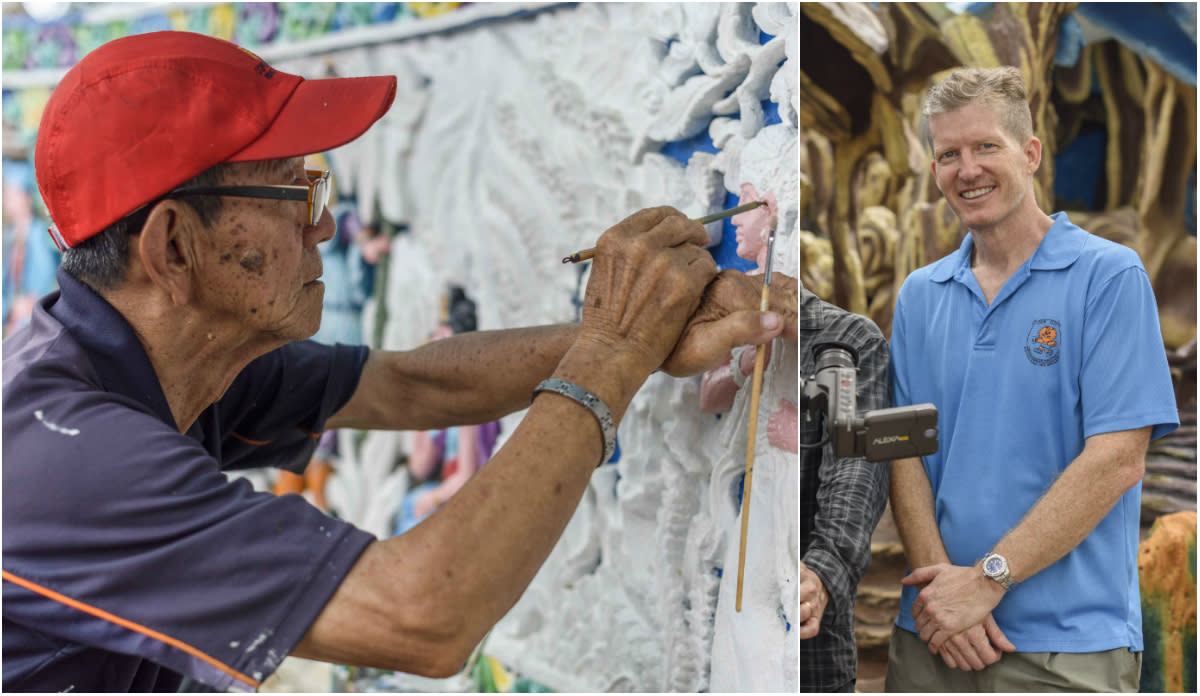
(36, 52)
(519, 133)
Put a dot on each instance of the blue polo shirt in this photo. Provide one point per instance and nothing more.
(1069, 348)
(129, 558)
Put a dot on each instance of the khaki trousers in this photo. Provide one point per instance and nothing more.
(912, 668)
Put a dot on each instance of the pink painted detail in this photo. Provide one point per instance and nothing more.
(783, 427)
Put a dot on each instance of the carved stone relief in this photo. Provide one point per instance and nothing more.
(513, 144)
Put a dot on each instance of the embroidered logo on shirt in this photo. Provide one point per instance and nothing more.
(1042, 343)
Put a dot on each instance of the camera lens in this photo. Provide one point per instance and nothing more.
(834, 355)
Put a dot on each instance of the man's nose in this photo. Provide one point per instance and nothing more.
(323, 231)
(968, 166)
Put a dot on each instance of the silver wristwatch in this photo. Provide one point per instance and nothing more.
(995, 567)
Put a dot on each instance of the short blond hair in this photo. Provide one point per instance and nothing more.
(1003, 87)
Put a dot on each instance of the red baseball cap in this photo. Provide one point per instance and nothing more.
(140, 115)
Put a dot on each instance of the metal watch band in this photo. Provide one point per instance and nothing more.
(1004, 577)
(593, 403)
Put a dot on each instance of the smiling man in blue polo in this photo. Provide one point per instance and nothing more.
(1040, 346)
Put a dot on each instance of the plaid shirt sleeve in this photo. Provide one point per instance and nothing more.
(852, 492)
(838, 518)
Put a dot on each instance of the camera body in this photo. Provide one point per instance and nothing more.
(880, 435)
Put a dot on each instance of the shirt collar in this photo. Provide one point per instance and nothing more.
(1059, 249)
(111, 344)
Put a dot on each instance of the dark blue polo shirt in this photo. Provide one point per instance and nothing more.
(129, 558)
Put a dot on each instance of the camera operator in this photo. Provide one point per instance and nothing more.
(841, 501)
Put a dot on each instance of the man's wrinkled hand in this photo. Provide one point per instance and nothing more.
(729, 317)
(647, 278)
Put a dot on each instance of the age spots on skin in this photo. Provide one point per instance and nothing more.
(252, 260)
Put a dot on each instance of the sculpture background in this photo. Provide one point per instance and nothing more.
(520, 132)
(526, 140)
(1113, 95)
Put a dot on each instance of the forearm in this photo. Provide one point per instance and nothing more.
(469, 378)
(483, 547)
(913, 511)
(850, 500)
(421, 602)
(1078, 500)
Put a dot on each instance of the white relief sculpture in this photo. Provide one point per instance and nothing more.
(755, 649)
(513, 144)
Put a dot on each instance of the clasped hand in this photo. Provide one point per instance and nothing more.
(952, 614)
(654, 295)
(729, 316)
(813, 600)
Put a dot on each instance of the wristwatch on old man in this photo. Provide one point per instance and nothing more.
(995, 567)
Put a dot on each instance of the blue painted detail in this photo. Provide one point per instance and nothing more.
(770, 113)
(1077, 170)
(979, 9)
(577, 297)
(725, 253)
(616, 457)
(1070, 42)
(1164, 32)
(1168, 37)
(1184, 15)
(681, 150)
(739, 487)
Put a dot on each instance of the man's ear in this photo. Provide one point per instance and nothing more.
(1033, 152)
(166, 251)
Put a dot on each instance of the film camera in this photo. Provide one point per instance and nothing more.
(889, 433)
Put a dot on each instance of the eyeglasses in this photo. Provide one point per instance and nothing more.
(316, 192)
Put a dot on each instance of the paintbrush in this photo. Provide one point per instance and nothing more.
(751, 434)
(589, 253)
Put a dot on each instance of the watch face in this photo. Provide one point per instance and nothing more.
(993, 565)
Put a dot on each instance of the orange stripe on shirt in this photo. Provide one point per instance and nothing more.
(248, 441)
(94, 611)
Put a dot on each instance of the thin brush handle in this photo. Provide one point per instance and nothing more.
(751, 436)
(713, 217)
(760, 356)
